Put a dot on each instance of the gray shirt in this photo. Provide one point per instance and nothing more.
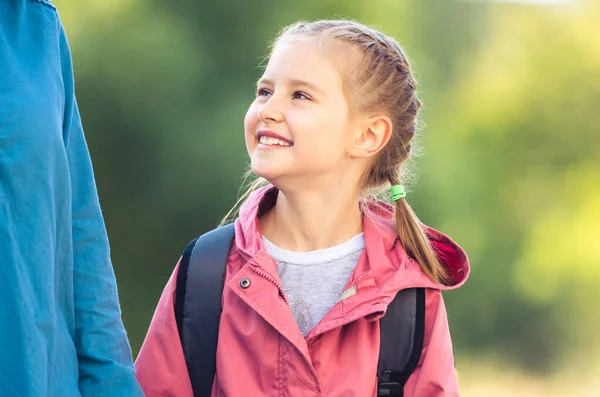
(313, 281)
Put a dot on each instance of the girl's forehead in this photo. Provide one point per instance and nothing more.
(297, 50)
(303, 58)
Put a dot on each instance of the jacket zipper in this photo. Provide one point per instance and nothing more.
(267, 276)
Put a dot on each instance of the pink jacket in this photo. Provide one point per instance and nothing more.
(261, 351)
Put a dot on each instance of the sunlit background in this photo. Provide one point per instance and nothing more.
(511, 164)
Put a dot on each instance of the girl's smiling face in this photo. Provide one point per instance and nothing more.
(298, 124)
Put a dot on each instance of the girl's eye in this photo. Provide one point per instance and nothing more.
(262, 92)
(300, 95)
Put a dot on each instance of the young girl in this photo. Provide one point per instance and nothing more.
(316, 258)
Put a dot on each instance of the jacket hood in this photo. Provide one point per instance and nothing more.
(386, 262)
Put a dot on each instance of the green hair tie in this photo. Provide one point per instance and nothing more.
(398, 192)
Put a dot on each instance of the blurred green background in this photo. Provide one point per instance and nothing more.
(511, 168)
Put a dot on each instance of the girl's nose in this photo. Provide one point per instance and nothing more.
(270, 112)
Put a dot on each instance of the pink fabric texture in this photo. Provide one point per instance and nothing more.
(261, 351)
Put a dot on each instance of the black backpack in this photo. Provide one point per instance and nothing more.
(198, 309)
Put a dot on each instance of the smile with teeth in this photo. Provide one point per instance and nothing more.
(265, 140)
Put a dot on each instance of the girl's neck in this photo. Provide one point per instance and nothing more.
(308, 221)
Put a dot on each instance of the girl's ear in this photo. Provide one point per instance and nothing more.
(371, 137)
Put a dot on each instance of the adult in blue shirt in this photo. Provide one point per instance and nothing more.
(61, 332)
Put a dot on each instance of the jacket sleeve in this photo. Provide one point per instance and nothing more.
(434, 375)
(161, 367)
(103, 351)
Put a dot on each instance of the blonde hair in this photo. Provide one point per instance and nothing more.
(380, 79)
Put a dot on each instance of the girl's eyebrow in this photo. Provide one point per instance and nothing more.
(263, 81)
(293, 83)
(302, 83)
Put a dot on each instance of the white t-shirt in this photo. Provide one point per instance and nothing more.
(313, 281)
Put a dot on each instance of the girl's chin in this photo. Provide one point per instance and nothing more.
(268, 175)
(266, 170)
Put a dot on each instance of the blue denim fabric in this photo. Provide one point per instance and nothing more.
(61, 332)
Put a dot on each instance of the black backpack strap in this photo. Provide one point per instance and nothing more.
(402, 331)
(198, 304)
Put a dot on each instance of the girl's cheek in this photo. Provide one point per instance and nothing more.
(250, 120)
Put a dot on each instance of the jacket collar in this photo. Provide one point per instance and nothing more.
(384, 265)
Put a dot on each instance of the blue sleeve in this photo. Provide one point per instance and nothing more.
(103, 351)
